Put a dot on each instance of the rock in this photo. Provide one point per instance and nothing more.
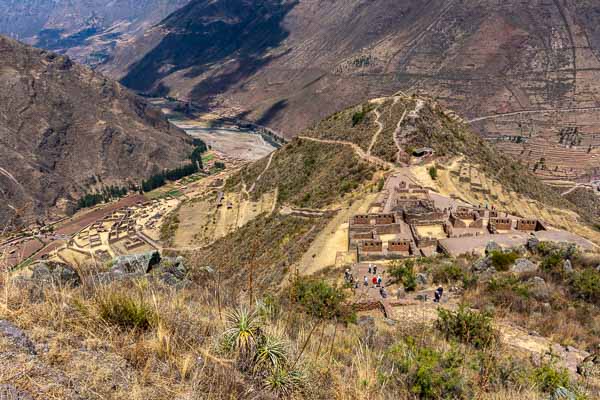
(9, 392)
(492, 247)
(17, 336)
(421, 297)
(567, 266)
(533, 243)
(537, 280)
(55, 273)
(171, 270)
(523, 265)
(422, 279)
(590, 366)
(366, 320)
(482, 265)
(562, 393)
(390, 322)
(137, 263)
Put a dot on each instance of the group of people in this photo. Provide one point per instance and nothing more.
(377, 282)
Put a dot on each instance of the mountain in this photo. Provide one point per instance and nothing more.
(288, 64)
(88, 31)
(65, 130)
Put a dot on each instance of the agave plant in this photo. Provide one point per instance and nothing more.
(271, 353)
(283, 383)
(243, 331)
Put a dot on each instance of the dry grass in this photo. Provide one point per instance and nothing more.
(180, 354)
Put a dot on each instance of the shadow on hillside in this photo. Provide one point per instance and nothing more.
(202, 40)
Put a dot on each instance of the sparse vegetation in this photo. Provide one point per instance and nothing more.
(307, 174)
(502, 261)
(466, 326)
(433, 172)
(404, 273)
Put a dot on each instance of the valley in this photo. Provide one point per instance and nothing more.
(300, 199)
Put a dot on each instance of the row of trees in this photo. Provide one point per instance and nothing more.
(195, 165)
(105, 195)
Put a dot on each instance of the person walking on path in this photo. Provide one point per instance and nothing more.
(438, 294)
(375, 270)
(374, 280)
(366, 281)
(379, 280)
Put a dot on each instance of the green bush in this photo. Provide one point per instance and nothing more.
(466, 326)
(551, 263)
(502, 261)
(429, 373)
(509, 291)
(319, 299)
(448, 273)
(433, 173)
(124, 311)
(548, 378)
(586, 285)
(404, 273)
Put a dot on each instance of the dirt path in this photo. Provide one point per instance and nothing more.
(359, 152)
(376, 135)
(261, 174)
(524, 112)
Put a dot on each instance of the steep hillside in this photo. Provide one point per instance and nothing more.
(482, 57)
(88, 31)
(293, 63)
(65, 130)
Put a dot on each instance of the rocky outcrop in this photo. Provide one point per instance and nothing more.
(169, 270)
(55, 273)
(523, 265)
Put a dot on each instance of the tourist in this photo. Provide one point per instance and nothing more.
(375, 270)
(366, 281)
(347, 275)
(369, 268)
(379, 280)
(382, 292)
(438, 294)
(374, 280)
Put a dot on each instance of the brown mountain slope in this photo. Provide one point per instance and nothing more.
(86, 30)
(299, 61)
(65, 129)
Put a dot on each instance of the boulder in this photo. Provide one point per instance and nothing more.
(422, 279)
(55, 273)
(568, 266)
(136, 263)
(17, 336)
(590, 366)
(523, 265)
(171, 270)
(533, 243)
(492, 247)
(482, 265)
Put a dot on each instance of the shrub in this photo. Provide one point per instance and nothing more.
(447, 273)
(124, 311)
(551, 263)
(404, 273)
(319, 299)
(586, 285)
(548, 378)
(509, 291)
(466, 326)
(427, 372)
(502, 261)
(433, 172)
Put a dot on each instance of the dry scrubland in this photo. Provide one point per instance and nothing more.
(245, 323)
(140, 339)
